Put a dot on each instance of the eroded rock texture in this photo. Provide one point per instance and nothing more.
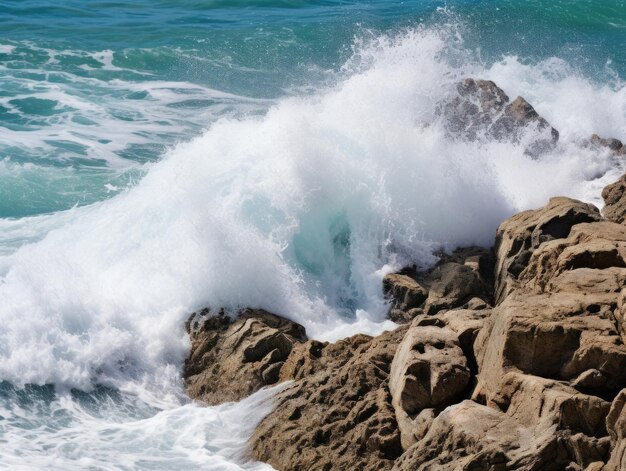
(231, 359)
(460, 279)
(507, 359)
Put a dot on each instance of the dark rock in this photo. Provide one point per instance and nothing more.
(611, 143)
(482, 109)
(460, 279)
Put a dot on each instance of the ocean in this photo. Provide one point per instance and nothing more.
(160, 156)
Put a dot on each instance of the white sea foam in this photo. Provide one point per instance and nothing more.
(300, 211)
(116, 435)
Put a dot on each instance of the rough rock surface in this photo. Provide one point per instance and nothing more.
(481, 108)
(614, 196)
(339, 416)
(460, 279)
(231, 359)
(616, 425)
(512, 359)
(429, 371)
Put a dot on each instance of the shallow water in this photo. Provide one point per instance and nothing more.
(157, 157)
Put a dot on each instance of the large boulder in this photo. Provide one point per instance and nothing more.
(481, 109)
(551, 354)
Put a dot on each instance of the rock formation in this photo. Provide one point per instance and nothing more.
(511, 358)
(232, 358)
(614, 196)
(463, 278)
(482, 109)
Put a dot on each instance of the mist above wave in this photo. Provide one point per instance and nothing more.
(300, 211)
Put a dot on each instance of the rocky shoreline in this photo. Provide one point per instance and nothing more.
(512, 358)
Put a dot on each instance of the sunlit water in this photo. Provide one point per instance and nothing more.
(157, 157)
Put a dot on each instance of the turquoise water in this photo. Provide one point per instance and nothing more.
(91, 91)
(157, 157)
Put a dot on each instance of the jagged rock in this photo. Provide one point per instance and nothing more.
(405, 292)
(520, 235)
(481, 108)
(231, 359)
(460, 279)
(551, 354)
(616, 426)
(339, 416)
(611, 143)
(614, 196)
(428, 371)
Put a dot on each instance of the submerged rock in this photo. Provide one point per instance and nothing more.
(615, 145)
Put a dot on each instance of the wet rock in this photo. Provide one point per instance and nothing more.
(405, 292)
(482, 109)
(610, 143)
(460, 279)
(231, 358)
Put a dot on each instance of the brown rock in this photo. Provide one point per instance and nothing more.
(460, 279)
(469, 436)
(519, 236)
(551, 355)
(615, 201)
(231, 359)
(616, 425)
(340, 415)
(404, 292)
(428, 371)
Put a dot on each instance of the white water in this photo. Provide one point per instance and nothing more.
(301, 212)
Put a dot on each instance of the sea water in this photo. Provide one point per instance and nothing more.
(157, 157)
